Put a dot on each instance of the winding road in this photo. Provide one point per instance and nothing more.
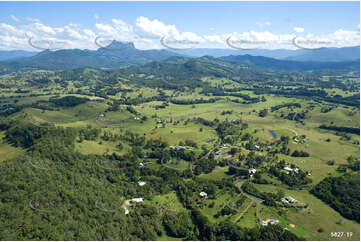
(257, 200)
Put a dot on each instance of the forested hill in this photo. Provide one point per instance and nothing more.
(274, 64)
(120, 55)
(115, 55)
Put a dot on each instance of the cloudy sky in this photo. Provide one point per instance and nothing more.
(272, 25)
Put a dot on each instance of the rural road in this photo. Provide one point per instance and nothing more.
(257, 200)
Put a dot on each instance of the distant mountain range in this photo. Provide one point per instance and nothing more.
(14, 54)
(275, 64)
(328, 54)
(323, 54)
(120, 55)
(115, 55)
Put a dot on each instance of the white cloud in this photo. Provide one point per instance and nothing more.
(146, 34)
(213, 38)
(263, 24)
(154, 28)
(298, 29)
(32, 19)
(39, 27)
(96, 16)
(9, 30)
(261, 40)
(13, 17)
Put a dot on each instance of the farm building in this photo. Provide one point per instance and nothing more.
(288, 169)
(252, 171)
(141, 183)
(291, 199)
(203, 194)
(270, 221)
(274, 221)
(137, 200)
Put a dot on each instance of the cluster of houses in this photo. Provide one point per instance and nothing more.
(271, 222)
(288, 200)
(222, 147)
(288, 169)
(299, 140)
(133, 200)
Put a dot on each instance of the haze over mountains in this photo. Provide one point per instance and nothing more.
(119, 54)
(13, 54)
(323, 54)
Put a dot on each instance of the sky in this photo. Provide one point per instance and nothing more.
(154, 25)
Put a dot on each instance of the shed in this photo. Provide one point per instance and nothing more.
(203, 194)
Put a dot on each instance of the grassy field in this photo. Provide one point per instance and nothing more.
(317, 215)
(304, 222)
(7, 151)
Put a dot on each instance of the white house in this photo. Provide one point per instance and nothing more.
(252, 171)
(126, 211)
(291, 199)
(203, 194)
(137, 200)
(141, 183)
(274, 221)
(288, 169)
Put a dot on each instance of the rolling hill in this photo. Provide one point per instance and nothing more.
(115, 55)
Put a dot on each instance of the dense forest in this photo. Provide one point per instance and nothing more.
(52, 193)
(342, 193)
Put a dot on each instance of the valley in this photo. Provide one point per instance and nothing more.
(181, 149)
